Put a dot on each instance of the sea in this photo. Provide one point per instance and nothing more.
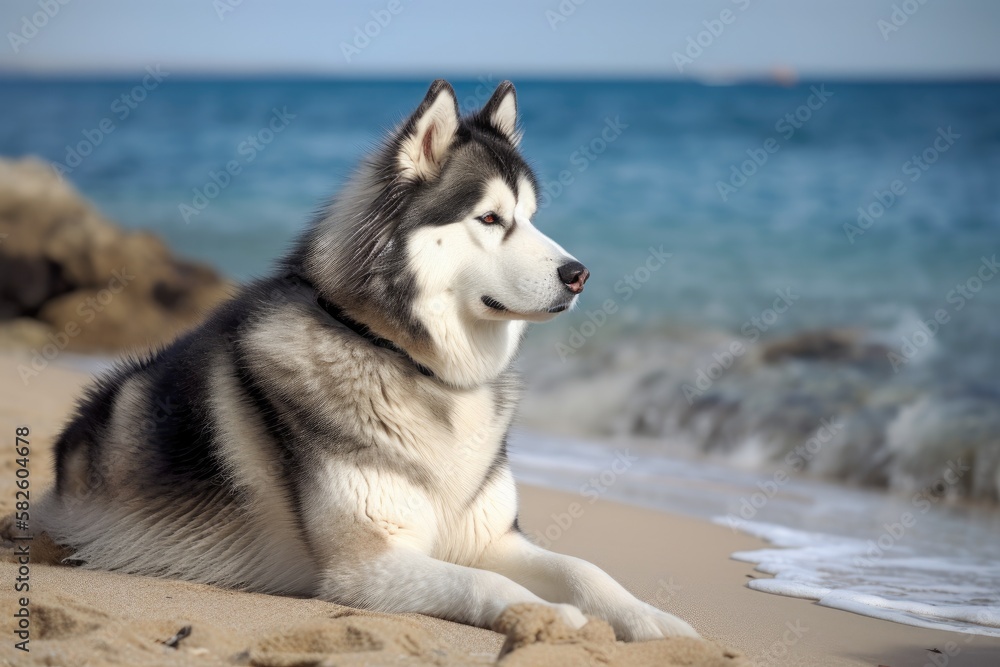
(794, 308)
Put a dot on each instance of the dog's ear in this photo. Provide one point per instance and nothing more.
(501, 112)
(427, 135)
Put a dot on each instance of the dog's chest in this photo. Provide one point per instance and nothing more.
(454, 434)
(428, 463)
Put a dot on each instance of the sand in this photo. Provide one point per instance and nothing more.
(81, 617)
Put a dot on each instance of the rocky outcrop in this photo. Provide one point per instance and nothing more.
(70, 278)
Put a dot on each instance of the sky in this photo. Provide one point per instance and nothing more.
(851, 38)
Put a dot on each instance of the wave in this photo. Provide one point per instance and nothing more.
(831, 403)
(954, 591)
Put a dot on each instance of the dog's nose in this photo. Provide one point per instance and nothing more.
(574, 275)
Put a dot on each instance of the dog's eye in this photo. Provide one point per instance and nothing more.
(490, 218)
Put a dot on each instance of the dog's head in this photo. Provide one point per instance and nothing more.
(474, 247)
(433, 246)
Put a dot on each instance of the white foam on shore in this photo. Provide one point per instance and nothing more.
(846, 573)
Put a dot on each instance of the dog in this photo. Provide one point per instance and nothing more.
(338, 429)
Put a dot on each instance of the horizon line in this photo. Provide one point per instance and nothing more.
(768, 77)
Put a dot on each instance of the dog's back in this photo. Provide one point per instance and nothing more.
(156, 471)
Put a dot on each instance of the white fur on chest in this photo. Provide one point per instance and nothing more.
(437, 508)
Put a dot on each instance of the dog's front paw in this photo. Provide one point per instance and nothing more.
(643, 622)
(570, 615)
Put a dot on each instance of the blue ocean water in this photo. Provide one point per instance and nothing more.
(656, 182)
(754, 191)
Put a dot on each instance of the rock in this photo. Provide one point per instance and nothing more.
(95, 320)
(24, 332)
(24, 284)
(824, 345)
(69, 270)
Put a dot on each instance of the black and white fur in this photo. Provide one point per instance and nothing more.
(338, 429)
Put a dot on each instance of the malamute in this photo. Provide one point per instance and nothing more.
(338, 429)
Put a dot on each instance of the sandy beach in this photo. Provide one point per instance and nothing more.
(680, 564)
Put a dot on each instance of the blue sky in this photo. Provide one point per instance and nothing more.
(941, 38)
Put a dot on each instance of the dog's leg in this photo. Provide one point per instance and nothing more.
(402, 579)
(559, 578)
